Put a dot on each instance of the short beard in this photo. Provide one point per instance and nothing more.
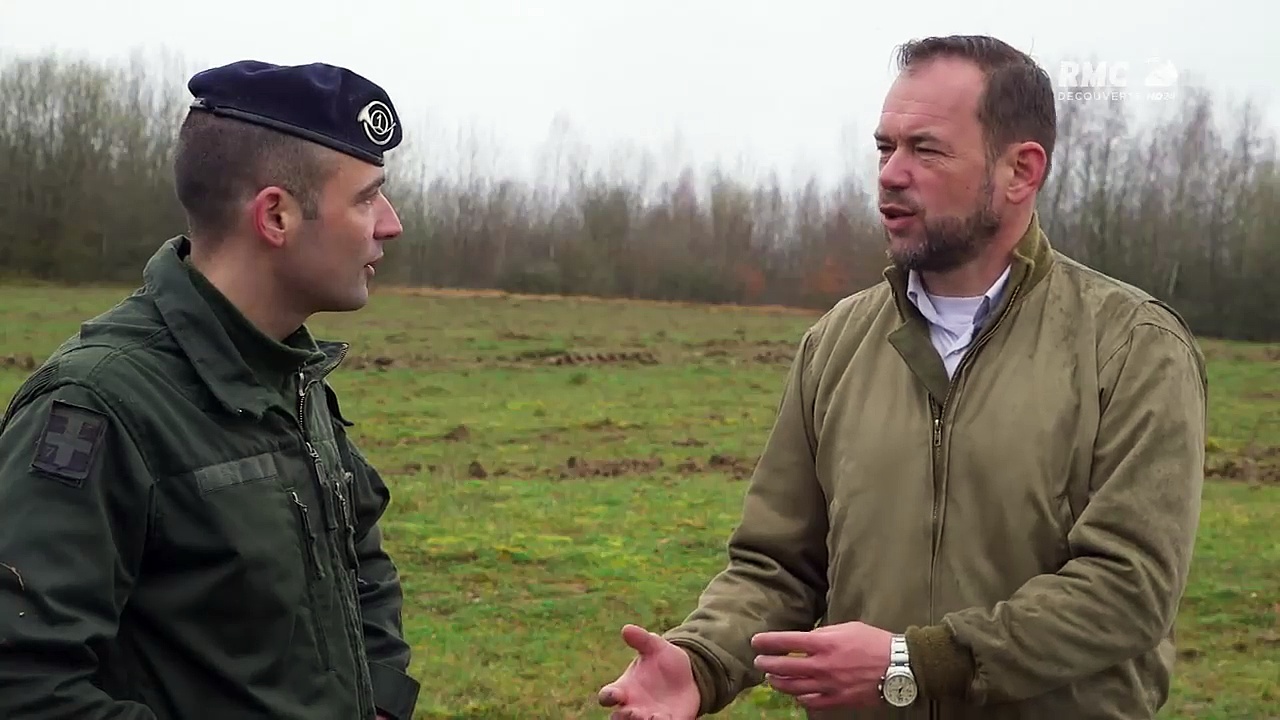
(950, 242)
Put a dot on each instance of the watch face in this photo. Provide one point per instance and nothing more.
(900, 690)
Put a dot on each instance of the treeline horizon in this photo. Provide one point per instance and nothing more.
(1186, 206)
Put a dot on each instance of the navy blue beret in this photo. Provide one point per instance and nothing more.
(329, 105)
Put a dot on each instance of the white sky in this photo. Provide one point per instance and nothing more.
(795, 86)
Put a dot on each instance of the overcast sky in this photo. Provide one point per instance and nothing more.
(795, 86)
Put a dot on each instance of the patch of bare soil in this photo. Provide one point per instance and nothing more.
(1243, 353)
(572, 357)
(459, 434)
(383, 362)
(738, 468)
(409, 469)
(642, 357)
(774, 357)
(511, 335)
(19, 362)
(1259, 466)
(578, 468)
(541, 354)
(761, 351)
(738, 343)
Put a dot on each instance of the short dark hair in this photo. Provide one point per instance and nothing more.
(222, 161)
(1017, 102)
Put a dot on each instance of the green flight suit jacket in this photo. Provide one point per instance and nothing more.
(186, 529)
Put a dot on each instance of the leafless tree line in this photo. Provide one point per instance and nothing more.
(1186, 207)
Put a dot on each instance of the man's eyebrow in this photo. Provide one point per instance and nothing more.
(915, 138)
(373, 186)
(924, 137)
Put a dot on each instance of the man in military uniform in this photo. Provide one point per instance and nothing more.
(980, 496)
(186, 529)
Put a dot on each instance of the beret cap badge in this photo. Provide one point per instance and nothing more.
(325, 104)
(378, 121)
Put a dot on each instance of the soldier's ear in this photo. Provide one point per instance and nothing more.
(274, 213)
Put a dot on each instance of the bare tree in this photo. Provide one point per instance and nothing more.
(1187, 207)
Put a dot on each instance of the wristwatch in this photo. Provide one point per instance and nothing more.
(898, 686)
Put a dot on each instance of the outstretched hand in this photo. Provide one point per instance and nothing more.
(657, 685)
(841, 667)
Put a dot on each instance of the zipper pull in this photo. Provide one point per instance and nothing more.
(349, 534)
(937, 432)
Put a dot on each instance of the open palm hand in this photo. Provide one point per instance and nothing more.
(657, 685)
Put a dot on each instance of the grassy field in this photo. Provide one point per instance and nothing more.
(561, 467)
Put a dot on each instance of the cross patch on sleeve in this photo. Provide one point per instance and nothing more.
(70, 442)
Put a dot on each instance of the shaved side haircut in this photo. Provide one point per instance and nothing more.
(222, 162)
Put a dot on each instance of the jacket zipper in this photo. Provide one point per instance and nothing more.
(304, 386)
(304, 514)
(352, 558)
(364, 683)
(325, 491)
(317, 570)
(938, 413)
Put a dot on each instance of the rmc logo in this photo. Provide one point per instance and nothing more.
(1103, 79)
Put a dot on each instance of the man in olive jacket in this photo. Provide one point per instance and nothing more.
(981, 492)
(186, 529)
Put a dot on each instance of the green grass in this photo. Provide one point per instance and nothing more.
(538, 507)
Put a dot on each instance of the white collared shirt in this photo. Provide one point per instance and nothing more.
(953, 320)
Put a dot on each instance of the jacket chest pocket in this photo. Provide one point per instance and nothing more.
(246, 530)
(227, 571)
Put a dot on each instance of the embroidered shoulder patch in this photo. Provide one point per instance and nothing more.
(70, 442)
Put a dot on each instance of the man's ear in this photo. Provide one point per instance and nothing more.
(274, 214)
(1026, 162)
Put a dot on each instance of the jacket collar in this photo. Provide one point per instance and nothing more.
(1032, 259)
(242, 367)
(1031, 262)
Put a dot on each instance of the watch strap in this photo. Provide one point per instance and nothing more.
(898, 655)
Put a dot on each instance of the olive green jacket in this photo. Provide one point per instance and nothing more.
(187, 531)
(1029, 524)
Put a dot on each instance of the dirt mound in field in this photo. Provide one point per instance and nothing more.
(384, 362)
(1243, 353)
(761, 351)
(774, 356)
(1256, 465)
(578, 468)
(738, 343)
(739, 468)
(19, 362)
(462, 433)
(513, 335)
(643, 357)
(586, 357)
